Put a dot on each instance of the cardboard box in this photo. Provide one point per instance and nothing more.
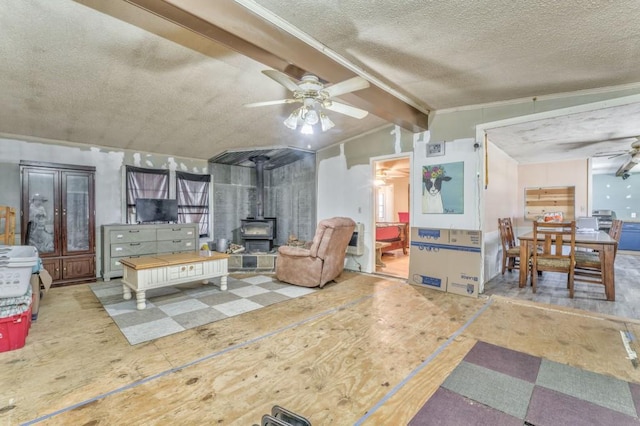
(427, 263)
(465, 237)
(463, 289)
(430, 235)
(40, 281)
(446, 260)
(464, 273)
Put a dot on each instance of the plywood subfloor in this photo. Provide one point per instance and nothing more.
(366, 350)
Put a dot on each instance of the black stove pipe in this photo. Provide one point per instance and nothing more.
(259, 161)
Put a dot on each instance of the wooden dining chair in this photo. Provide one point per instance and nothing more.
(588, 263)
(615, 231)
(510, 251)
(556, 251)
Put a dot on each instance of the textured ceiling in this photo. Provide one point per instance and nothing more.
(111, 74)
(274, 158)
(605, 134)
(451, 53)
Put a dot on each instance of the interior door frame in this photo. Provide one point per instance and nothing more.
(373, 161)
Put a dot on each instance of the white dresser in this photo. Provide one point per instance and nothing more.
(119, 241)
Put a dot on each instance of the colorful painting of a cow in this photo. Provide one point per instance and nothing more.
(442, 189)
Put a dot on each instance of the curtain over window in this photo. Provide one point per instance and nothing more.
(144, 183)
(192, 192)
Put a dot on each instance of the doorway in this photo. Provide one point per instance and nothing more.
(391, 206)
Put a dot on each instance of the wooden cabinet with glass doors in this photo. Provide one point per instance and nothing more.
(58, 218)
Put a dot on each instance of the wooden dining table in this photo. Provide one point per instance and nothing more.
(600, 241)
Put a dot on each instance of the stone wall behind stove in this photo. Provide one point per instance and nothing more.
(290, 196)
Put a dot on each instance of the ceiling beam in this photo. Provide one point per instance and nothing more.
(232, 25)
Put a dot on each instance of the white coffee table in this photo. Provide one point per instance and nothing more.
(147, 272)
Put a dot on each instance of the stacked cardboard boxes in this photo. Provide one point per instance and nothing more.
(446, 259)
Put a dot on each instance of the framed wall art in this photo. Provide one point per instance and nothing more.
(435, 149)
(443, 188)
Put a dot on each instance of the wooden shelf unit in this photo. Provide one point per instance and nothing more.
(539, 201)
(57, 216)
(8, 225)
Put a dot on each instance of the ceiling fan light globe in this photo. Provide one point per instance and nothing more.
(325, 122)
(295, 118)
(311, 117)
(292, 121)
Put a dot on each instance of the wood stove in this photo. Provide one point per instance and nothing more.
(258, 232)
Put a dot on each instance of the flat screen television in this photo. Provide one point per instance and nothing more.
(156, 210)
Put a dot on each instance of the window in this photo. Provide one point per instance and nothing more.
(144, 183)
(381, 206)
(192, 192)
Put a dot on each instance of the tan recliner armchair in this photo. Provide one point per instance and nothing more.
(323, 261)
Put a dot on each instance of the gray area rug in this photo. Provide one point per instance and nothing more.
(177, 308)
(498, 386)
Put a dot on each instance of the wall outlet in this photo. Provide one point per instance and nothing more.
(633, 215)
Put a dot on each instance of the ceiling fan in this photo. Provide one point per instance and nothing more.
(633, 158)
(315, 97)
(391, 173)
(384, 175)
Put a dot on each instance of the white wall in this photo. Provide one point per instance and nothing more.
(109, 164)
(455, 151)
(561, 173)
(504, 197)
(500, 199)
(613, 193)
(400, 197)
(345, 190)
(348, 192)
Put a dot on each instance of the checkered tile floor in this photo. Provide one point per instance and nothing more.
(498, 386)
(173, 309)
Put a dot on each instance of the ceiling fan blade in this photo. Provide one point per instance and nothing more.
(345, 109)
(592, 143)
(608, 153)
(281, 78)
(350, 85)
(616, 155)
(266, 103)
(628, 165)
